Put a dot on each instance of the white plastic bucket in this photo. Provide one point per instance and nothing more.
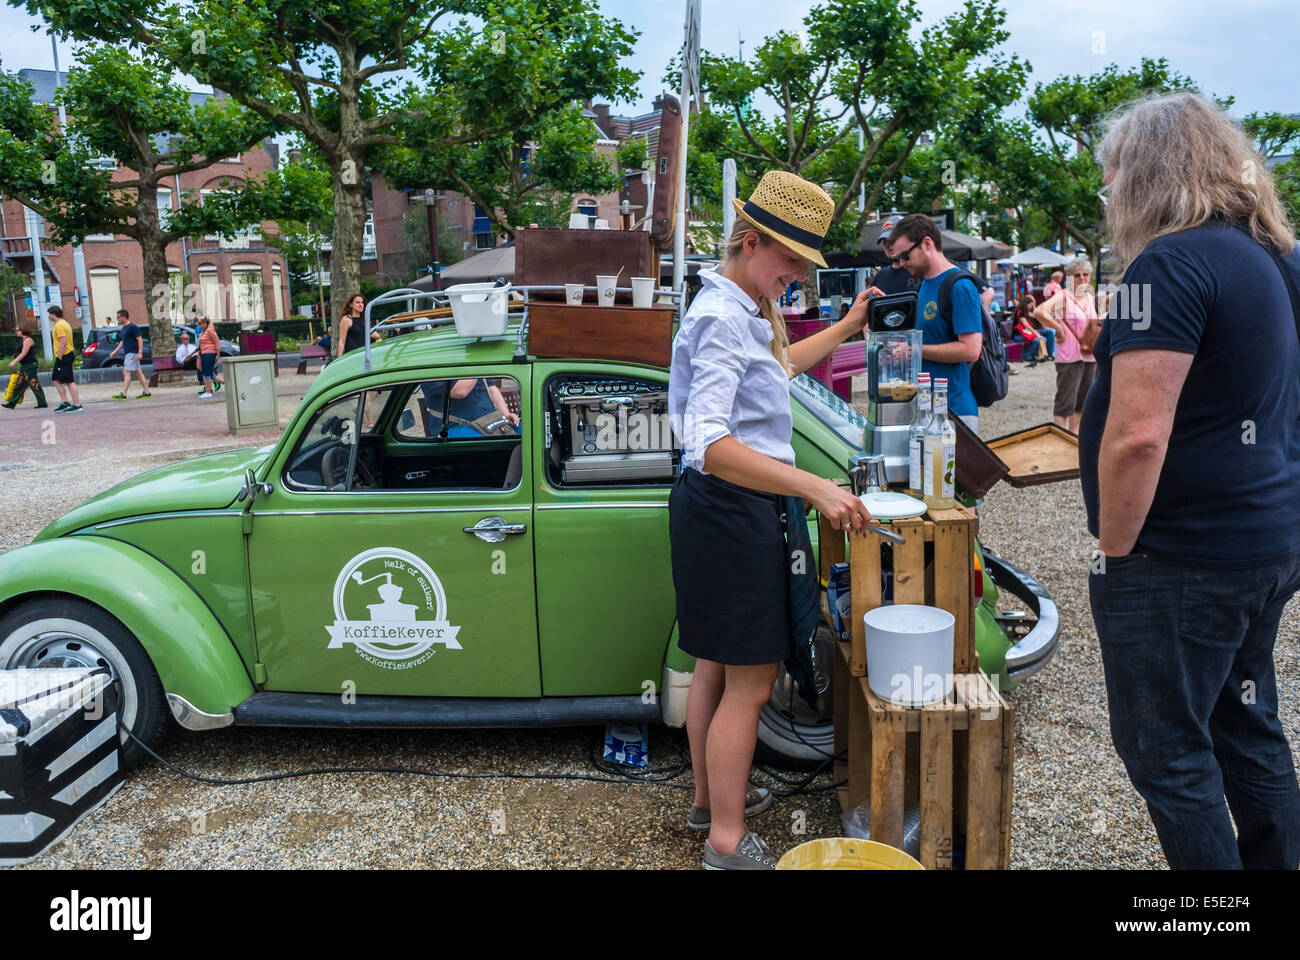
(479, 309)
(909, 653)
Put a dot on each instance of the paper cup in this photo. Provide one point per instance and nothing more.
(605, 290)
(643, 291)
(573, 294)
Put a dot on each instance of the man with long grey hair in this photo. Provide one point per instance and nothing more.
(1190, 458)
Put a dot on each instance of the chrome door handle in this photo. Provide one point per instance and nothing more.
(495, 529)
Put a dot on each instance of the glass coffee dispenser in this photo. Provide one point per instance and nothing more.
(893, 366)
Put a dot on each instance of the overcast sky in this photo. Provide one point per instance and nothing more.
(1240, 47)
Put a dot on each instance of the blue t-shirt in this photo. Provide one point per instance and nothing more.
(130, 339)
(967, 317)
(1226, 494)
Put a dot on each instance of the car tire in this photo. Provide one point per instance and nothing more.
(70, 632)
(791, 736)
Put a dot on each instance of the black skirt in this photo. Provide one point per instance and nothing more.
(729, 571)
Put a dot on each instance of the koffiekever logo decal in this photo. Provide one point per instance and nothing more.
(390, 605)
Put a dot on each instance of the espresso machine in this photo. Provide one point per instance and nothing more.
(893, 367)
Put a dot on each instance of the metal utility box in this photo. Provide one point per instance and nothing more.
(250, 394)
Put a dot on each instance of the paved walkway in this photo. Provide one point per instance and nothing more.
(172, 420)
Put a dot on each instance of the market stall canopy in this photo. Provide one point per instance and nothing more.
(480, 268)
(956, 247)
(1036, 257)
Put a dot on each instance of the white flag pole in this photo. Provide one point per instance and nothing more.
(690, 79)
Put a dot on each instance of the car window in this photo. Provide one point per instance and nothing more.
(460, 409)
(609, 431)
(401, 445)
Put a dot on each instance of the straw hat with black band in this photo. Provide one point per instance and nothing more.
(792, 211)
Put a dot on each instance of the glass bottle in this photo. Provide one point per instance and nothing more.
(940, 453)
(916, 437)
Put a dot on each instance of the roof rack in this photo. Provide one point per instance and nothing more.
(434, 316)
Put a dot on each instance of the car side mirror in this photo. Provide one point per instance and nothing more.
(252, 488)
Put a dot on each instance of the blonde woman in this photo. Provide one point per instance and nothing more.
(1067, 312)
(1190, 461)
(729, 402)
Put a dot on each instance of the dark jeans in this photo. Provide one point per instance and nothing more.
(1188, 657)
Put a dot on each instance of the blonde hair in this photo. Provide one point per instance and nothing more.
(732, 253)
(1178, 160)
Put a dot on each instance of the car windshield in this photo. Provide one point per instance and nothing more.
(830, 408)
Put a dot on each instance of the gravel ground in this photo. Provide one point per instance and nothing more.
(1074, 806)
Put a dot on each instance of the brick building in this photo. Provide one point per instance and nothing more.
(240, 279)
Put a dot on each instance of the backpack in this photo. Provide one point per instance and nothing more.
(989, 372)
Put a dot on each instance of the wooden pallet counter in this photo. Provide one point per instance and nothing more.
(954, 759)
(934, 567)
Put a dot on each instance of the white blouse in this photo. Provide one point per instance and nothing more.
(724, 380)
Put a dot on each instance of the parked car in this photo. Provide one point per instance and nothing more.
(448, 571)
(104, 340)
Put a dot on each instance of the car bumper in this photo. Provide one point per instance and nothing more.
(1035, 649)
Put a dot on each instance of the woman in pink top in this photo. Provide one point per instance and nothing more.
(1068, 313)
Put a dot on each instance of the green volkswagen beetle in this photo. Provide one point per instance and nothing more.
(462, 535)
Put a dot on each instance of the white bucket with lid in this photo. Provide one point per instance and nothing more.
(479, 309)
(909, 653)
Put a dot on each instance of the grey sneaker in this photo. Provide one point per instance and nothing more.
(750, 854)
(757, 799)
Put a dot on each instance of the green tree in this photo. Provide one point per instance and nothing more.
(343, 76)
(855, 97)
(1277, 135)
(1063, 176)
(132, 112)
(11, 282)
(526, 176)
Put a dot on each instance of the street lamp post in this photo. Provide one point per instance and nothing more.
(431, 201)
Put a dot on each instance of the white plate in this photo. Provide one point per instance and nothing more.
(886, 505)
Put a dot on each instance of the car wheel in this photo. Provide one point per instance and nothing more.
(791, 734)
(72, 633)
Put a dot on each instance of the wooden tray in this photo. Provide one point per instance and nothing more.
(601, 333)
(1043, 454)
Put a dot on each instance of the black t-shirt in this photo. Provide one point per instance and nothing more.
(893, 279)
(130, 339)
(1226, 497)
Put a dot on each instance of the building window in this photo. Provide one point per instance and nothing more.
(587, 208)
(246, 278)
(175, 305)
(210, 290)
(105, 295)
(276, 295)
(484, 241)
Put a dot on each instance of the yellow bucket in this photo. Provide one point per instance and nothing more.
(845, 853)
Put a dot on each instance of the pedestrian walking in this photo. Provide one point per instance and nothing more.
(61, 375)
(736, 510)
(26, 375)
(131, 350)
(1190, 460)
(1070, 312)
(209, 349)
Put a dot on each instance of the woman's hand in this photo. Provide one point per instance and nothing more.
(839, 506)
(857, 315)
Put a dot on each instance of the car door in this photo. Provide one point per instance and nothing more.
(604, 576)
(370, 567)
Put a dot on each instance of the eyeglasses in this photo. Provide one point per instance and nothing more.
(903, 257)
(1104, 195)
